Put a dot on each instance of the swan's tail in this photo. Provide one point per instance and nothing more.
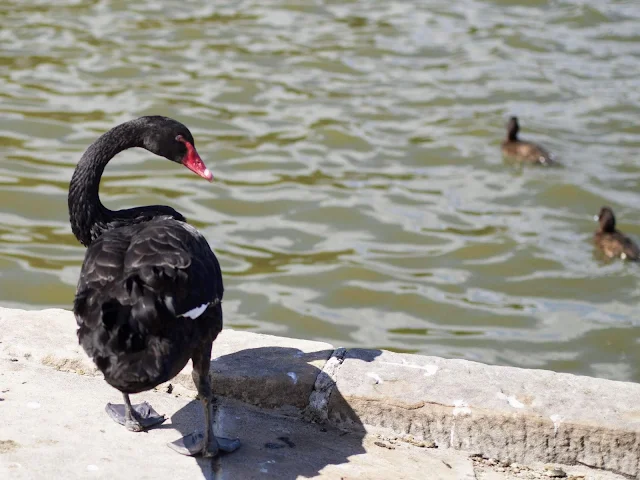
(117, 337)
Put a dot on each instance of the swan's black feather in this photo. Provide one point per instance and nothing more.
(135, 284)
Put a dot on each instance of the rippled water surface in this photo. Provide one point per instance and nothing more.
(360, 195)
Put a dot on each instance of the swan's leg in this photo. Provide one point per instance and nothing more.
(135, 418)
(206, 443)
(210, 406)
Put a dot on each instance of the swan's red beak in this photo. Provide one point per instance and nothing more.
(194, 163)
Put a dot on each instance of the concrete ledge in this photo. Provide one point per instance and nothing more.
(511, 414)
(507, 413)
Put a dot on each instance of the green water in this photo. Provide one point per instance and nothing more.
(360, 195)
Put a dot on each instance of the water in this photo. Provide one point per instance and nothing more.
(360, 195)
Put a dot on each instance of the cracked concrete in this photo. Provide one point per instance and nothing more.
(318, 408)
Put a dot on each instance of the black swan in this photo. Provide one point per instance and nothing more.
(150, 289)
(613, 242)
(522, 150)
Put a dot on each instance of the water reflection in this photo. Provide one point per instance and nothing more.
(360, 195)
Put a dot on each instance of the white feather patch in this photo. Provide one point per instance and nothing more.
(195, 312)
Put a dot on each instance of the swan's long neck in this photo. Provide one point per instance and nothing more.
(87, 214)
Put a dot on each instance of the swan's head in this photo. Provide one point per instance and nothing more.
(171, 139)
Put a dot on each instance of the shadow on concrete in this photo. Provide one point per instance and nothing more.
(276, 443)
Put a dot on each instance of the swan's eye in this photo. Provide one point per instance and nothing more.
(180, 139)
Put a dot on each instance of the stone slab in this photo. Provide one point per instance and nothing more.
(510, 414)
(505, 413)
(54, 427)
(44, 336)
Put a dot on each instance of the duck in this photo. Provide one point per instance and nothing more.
(612, 242)
(521, 150)
(149, 294)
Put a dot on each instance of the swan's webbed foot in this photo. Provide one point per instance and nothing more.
(135, 418)
(196, 444)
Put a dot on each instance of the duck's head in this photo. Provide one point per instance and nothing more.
(606, 219)
(513, 127)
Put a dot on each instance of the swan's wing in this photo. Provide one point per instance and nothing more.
(101, 270)
(162, 261)
(103, 261)
(174, 261)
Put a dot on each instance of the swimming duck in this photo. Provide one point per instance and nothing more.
(613, 242)
(522, 150)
